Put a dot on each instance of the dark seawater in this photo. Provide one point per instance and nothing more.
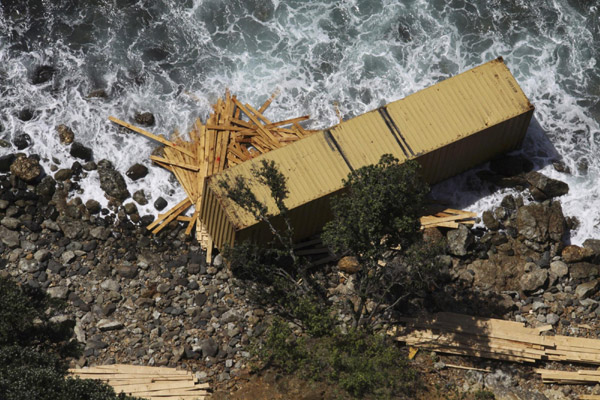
(174, 58)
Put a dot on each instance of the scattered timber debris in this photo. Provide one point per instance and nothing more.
(502, 340)
(233, 133)
(152, 383)
(448, 218)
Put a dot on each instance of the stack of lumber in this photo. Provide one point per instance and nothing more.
(153, 383)
(582, 376)
(494, 338)
(233, 133)
(448, 218)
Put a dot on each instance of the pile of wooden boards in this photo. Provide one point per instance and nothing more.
(448, 218)
(233, 133)
(498, 339)
(152, 383)
(582, 376)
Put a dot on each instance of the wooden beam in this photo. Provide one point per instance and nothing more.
(267, 103)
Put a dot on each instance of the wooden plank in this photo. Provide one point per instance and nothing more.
(259, 125)
(431, 219)
(174, 215)
(129, 368)
(258, 114)
(163, 160)
(267, 103)
(161, 217)
(150, 135)
(467, 368)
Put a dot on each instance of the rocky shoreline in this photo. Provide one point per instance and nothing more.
(134, 297)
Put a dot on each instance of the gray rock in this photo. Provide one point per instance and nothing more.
(4, 204)
(489, 221)
(209, 348)
(160, 203)
(63, 174)
(163, 288)
(109, 325)
(130, 208)
(9, 238)
(29, 266)
(67, 257)
(559, 268)
(93, 207)
(78, 150)
(112, 182)
(52, 225)
(459, 240)
(11, 223)
(137, 171)
(100, 232)
(128, 270)
(218, 261)
(110, 285)
(533, 280)
(586, 289)
(140, 197)
(545, 188)
(42, 255)
(552, 319)
(144, 118)
(46, 188)
(58, 292)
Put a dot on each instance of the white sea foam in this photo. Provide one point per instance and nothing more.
(175, 58)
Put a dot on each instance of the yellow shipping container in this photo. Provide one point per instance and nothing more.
(448, 128)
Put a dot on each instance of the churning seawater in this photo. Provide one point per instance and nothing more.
(175, 57)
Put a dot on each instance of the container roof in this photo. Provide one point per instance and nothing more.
(422, 122)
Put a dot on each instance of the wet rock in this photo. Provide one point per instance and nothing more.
(160, 203)
(25, 115)
(489, 221)
(140, 197)
(459, 240)
(112, 182)
(586, 289)
(78, 150)
(93, 206)
(145, 118)
(130, 208)
(583, 166)
(573, 254)
(63, 174)
(6, 161)
(543, 188)
(22, 141)
(511, 165)
(97, 93)
(109, 325)
(559, 268)
(46, 188)
(534, 280)
(42, 74)
(560, 166)
(26, 168)
(349, 265)
(137, 171)
(65, 134)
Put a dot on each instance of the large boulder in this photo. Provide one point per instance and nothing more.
(541, 222)
(65, 134)
(26, 168)
(534, 280)
(112, 182)
(543, 188)
(78, 150)
(573, 254)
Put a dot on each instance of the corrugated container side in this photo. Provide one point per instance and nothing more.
(475, 149)
(216, 220)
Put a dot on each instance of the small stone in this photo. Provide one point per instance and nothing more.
(78, 150)
(145, 118)
(583, 270)
(533, 280)
(22, 141)
(65, 134)
(42, 255)
(140, 197)
(63, 174)
(128, 271)
(349, 265)
(110, 285)
(58, 292)
(209, 348)
(93, 206)
(490, 221)
(552, 319)
(586, 289)
(573, 253)
(26, 168)
(160, 203)
(9, 238)
(130, 208)
(67, 257)
(218, 261)
(163, 288)
(559, 268)
(29, 266)
(108, 325)
(11, 223)
(459, 240)
(137, 171)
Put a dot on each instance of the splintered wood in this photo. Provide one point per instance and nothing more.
(152, 383)
(502, 340)
(233, 133)
(448, 218)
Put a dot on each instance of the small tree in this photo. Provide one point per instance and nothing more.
(379, 211)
